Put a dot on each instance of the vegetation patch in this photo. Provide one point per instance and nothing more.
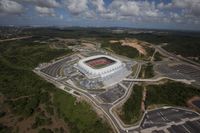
(79, 115)
(147, 71)
(158, 57)
(131, 110)
(127, 51)
(41, 119)
(27, 54)
(45, 130)
(186, 49)
(149, 50)
(170, 93)
(186, 44)
(25, 92)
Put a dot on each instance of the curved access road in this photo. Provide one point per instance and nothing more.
(160, 78)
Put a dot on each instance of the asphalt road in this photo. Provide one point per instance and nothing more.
(175, 57)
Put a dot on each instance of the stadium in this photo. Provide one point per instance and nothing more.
(100, 66)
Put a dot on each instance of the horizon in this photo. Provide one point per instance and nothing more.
(108, 27)
(167, 14)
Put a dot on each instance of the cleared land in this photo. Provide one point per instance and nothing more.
(132, 43)
(131, 48)
(121, 50)
(186, 44)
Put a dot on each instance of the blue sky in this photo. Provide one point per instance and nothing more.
(158, 14)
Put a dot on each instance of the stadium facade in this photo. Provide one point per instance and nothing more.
(100, 66)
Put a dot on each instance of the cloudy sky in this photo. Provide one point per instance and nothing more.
(160, 14)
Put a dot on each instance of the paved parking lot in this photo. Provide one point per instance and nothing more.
(54, 69)
(66, 65)
(112, 94)
(161, 117)
(179, 71)
(190, 71)
(158, 131)
(166, 70)
(188, 127)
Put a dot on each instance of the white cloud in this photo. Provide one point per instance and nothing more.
(184, 3)
(76, 7)
(109, 15)
(47, 3)
(42, 3)
(61, 17)
(99, 5)
(44, 7)
(117, 10)
(134, 10)
(182, 11)
(175, 11)
(125, 8)
(44, 11)
(79, 8)
(10, 7)
(188, 7)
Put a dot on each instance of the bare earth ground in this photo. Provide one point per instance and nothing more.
(17, 38)
(191, 105)
(89, 45)
(133, 43)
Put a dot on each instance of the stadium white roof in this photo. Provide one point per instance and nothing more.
(101, 72)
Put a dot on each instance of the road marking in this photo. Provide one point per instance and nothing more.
(185, 128)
